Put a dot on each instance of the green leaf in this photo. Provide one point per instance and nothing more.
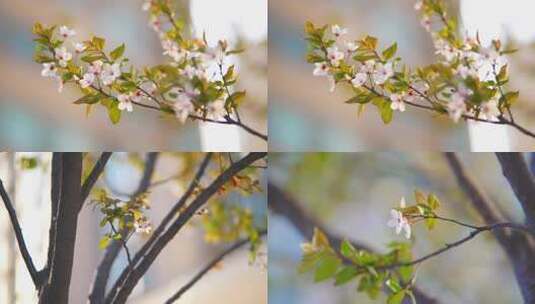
(390, 52)
(347, 249)
(433, 202)
(384, 109)
(27, 163)
(88, 99)
(393, 284)
(510, 98)
(235, 99)
(98, 43)
(396, 298)
(346, 274)
(115, 115)
(327, 267)
(370, 42)
(117, 53)
(91, 58)
(229, 75)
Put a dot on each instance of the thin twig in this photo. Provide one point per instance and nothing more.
(19, 236)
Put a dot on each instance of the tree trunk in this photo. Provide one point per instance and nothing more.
(56, 288)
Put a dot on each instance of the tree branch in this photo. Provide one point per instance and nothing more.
(126, 289)
(479, 200)
(93, 176)
(517, 173)
(170, 215)
(284, 205)
(207, 268)
(98, 291)
(19, 236)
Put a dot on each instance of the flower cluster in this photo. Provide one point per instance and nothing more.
(467, 81)
(122, 215)
(197, 83)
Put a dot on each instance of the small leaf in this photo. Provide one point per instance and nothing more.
(104, 242)
(98, 43)
(345, 275)
(419, 196)
(396, 298)
(347, 249)
(88, 99)
(393, 284)
(117, 53)
(433, 202)
(115, 114)
(390, 52)
(327, 267)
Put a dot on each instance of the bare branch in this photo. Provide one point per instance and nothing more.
(19, 236)
(94, 175)
(517, 173)
(207, 268)
(282, 204)
(133, 278)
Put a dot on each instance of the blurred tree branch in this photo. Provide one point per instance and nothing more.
(208, 267)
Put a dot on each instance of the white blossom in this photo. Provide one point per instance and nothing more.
(146, 5)
(444, 49)
(87, 80)
(65, 32)
(95, 67)
(321, 69)
(110, 73)
(143, 226)
(125, 102)
(398, 103)
(334, 55)
(183, 108)
(399, 222)
(49, 70)
(489, 110)
(457, 105)
(351, 46)
(79, 47)
(216, 109)
(338, 31)
(359, 79)
(63, 56)
(382, 73)
(426, 23)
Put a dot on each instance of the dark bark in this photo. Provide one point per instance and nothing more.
(56, 289)
(285, 205)
(98, 290)
(126, 289)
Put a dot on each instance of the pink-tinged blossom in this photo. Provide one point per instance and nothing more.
(79, 47)
(87, 80)
(334, 55)
(95, 67)
(321, 69)
(382, 73)
(49, 70)
(63, 56)
(216, 110)
(125, 102)
(65, 32)
(359, 79)
(399, 222)
(489, 110)
(338, 31)
(110, 73)
(183, 108)
(398, 103)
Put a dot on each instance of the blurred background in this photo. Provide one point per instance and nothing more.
(352, 194)
(304, 116)
(184, 256)
(34, 116)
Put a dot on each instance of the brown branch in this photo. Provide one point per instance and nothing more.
(170, 215)
(285, 205)
(19, 236)
(98, 290)
(126, 289)
(517, 173)
(207, 268)
(93, 176)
